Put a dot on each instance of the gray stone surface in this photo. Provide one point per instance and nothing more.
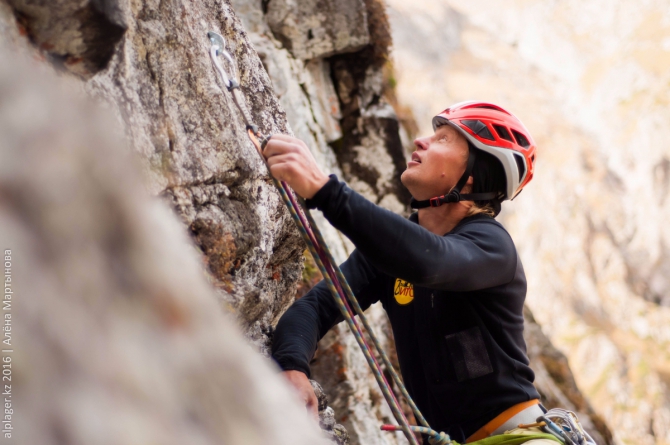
(324, 101)
(312, 28)
(116, 335)
(161, 84)
(335, 432)
(81, 36)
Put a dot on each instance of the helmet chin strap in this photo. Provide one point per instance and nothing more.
(455, 194)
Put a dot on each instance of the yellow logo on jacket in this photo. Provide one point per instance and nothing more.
(403, 292)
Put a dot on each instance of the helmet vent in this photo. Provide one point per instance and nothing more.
(479, 128)
(503, 132)
(521, 139)
(520, 165)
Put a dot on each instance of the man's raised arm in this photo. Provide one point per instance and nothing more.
(311, 317)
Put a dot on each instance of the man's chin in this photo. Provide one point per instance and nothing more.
(409, 180)
(415, 183)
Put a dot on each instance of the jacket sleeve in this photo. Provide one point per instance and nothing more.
(311, 317)
(478, 255)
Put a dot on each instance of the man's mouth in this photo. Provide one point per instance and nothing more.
(416, 158)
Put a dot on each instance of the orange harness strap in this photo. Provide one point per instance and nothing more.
(499, 420)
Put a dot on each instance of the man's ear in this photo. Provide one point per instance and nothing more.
(467, 187)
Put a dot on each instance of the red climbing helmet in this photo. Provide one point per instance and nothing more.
(498, 132)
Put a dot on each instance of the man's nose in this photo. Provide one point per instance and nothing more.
(421, 143)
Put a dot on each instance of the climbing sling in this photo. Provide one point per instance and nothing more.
(335, 280)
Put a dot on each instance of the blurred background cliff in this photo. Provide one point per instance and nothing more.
(591, 81)
(145, 275)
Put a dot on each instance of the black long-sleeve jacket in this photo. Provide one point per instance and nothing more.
(455, 305)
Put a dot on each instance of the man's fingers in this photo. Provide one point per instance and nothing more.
(290, 160)
(282, 167)
(285, 166)
(304, 388)
(285, 160)
(280, 144)
(265, 141)
(276, 147)
(282, 137)
(280, 173)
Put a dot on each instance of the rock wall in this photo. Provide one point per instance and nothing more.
(334, 101)
(160, 82)
(156, 77)
(111, 333)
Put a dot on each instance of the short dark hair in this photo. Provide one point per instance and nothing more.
(488, 176)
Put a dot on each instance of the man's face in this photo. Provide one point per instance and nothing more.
(437, 164)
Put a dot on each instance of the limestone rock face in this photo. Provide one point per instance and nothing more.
(312, 29)
(353, 132)
(162, 86)
(116, 336)
(82, 36)
(336, 432)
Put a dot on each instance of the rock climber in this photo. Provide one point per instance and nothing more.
(449, 276)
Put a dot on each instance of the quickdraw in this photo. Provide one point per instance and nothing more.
(335, 280)
(565, 426)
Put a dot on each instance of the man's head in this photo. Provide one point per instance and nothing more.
(437, 164)
(479, 152)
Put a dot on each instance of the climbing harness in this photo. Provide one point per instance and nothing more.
(509, 419)
(340, 290)
(335, 280)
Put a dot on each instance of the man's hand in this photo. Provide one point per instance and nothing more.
(305, 391)
(290, 160)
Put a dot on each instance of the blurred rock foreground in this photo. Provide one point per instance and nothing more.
(121, 335)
